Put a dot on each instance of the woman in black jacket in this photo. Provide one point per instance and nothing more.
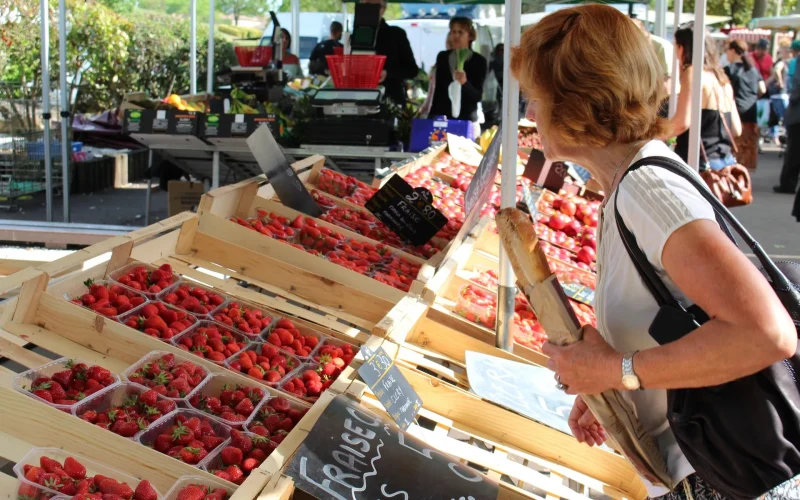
(462, 34)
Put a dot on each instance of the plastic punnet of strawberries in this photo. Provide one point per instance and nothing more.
(245, 319)
(270, 224)
(212, 341)
(160, 321)
(141, 278)
(307, 382)
(244, 453)
(201, 492)
(276, 418)
(71, 479)
(290, 339)
(171, 379)
(264, 362)
(76, 382)
(332, 358)
(231, 404)
(135, 414)
(109, 299)
(196, 300)
(188, 439)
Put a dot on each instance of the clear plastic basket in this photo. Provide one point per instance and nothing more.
(303, 330)
(214, 386)
(192, 285)
(148, 436)
(185, 481)
(326, 340)
(136, 312)
(76, 292)
(298, 373)
(23, 381)
(259, 415)
(93, 468)
(119, 273)
(214, 461)
(214, 315)
(258, 347)
(154, 356)
(177, 341)
(105, 400)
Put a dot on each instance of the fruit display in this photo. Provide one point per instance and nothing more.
(195, 299)
(276, 418)
(263, 362)
(570, 222)
(307, 382)
(177, 102)
(171, 376)
(185, 435)
(333, 356)
(146, 279)
(189, 488)
(64, 382)
(212, 341)
(126, 410)
(159, 320)
(60, 474)
(290, 339)
(107, 298)
(342, 186)
(240, 456)
(248, 321)
(228, 402)
(528, 137)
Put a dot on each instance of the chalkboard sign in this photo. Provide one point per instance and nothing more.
(481, 184)
(281, 175)
(390, 386)
(351, 454)
(578, 292)
(408, 211)
(526, 389)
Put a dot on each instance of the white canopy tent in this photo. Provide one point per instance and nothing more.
(780, 23)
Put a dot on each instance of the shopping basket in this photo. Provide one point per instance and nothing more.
(356, 71)
(256, 55)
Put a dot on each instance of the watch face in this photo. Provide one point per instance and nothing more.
(630, 382)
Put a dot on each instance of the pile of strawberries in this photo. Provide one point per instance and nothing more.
(244, 453)
(141, 278)
(212, 341)
(109, 299)
(71, 479)
(196, 300)
(72, 384)
(188, 439)
(274, 226)
(332, 359)
(329, 361)
(344, 186)
(276, 419)
(291, 340)
(134, 414)
(233, 404)
(168, 378)
(201, 492)
(307, 385)
(247, 320)
(264, 362)
(160, 321)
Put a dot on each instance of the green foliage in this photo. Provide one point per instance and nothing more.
(237, 8)
(393, 10)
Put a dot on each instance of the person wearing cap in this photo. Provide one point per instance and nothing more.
(792, 64)
(317, 63)
(790, 173)
(762, 58)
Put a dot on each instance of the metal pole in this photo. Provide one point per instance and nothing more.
(149, 189)
(506, 291)
(697, 82)
(66, 145)
(344, 15)
(193, 47)
(676, 64)
(210, 78)
(779, 8)
(48, 157)
(215, 170)
(661, 18)
(296, 27)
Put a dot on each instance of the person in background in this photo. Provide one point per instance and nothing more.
(663, 49)
(291, 63)
(794, 50)
(471, 78)
(776, 90)
(790, 173)
(763, 60)
(400, 64)
(718, 105)
(496, 66)
(747, 86)
(317, 63)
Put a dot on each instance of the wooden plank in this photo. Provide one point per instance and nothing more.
(119, 256)
(282, 489)
(26, 358)
(13, 448)
(401, 319)
(188, 230)
(11, 266)
(157, 248)
(28, 299)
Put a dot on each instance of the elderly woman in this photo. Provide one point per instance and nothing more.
(594, 86)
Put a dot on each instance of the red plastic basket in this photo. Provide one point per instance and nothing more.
(356, 71)
(253, 55)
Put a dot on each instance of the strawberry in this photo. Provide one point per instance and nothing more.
(191, 492)
(110, 486)
(44, 394)
(145, 491)
(231, 456)
(74, 469)
(50, 466)
(192, 456)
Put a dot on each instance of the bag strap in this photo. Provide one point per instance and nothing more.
(725, 120)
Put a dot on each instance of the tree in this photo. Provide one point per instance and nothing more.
(739, 10)
(238, 7)
(393, 10)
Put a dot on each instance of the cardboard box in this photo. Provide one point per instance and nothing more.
(161, 121)
(183, 196)
(237, 125)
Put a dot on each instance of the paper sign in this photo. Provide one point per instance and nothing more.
(390, 386)
(530, 196)
(578, 292)
(463, 150)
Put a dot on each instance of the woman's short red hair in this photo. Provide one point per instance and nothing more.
(596, 72)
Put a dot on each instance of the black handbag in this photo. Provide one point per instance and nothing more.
(742, 437)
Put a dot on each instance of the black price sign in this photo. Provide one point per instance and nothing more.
(481, 184)
(352, 454)
(578, 292)
(281, 175)
(408, 211)
(530, 196)
(390, 386)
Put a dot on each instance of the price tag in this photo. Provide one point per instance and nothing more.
(408, 211)
(530, 196)
(281, 175)
(390, 386)
(578, 292)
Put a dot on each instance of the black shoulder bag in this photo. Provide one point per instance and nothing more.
(742, 437)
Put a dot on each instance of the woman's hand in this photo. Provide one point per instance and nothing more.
(584, 425)
(460, 77)
(590, 366)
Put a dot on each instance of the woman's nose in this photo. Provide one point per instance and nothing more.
(530, 114)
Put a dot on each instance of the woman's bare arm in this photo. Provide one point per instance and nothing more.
(680, 122)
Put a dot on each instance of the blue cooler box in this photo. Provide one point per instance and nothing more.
(427, 132)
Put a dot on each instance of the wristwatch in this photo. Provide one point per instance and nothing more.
(630, 380)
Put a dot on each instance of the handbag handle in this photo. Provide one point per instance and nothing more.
(660, 291)
(725, 122)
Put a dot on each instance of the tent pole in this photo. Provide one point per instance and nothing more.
(193, 47)
(697, 82)
(630, 10)
(661, 18)
(48, 155)
(66, 144)
(506, 290)
(344, 15)
(676, 64)
(210, 68)
(296, 27)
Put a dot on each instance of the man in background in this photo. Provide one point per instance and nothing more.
(664, 51)
(400, 63)
(317, 63)
(790, 173)
(763, 59)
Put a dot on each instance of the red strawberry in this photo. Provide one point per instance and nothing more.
(75, 469)
(110, 486)
(231, 456)
(49, 465)
(191, 492)
(145, 491)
